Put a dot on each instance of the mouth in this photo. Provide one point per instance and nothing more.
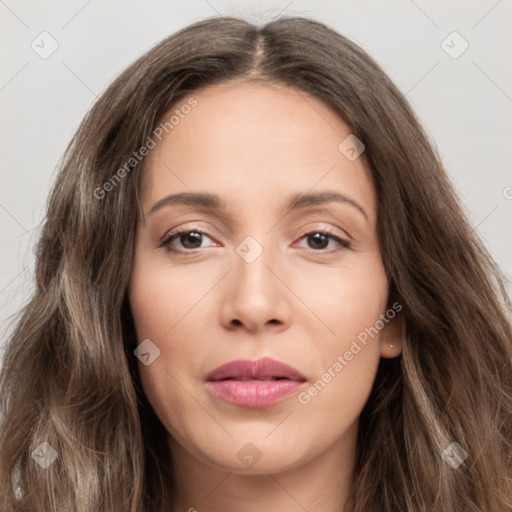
(256, 379)
(265, 369)
(260, 383)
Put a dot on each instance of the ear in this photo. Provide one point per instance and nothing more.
(391, 336)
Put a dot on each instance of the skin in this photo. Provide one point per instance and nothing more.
(301, 303)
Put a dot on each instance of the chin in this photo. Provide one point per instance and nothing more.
(246, 455)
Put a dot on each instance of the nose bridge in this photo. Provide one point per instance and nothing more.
(256, 295)
(251, 265)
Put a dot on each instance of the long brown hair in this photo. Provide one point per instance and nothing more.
(69, 376)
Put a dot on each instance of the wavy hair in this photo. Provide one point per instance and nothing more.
(69, 376)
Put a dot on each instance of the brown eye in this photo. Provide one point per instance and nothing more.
(188, 239)
(319, 240)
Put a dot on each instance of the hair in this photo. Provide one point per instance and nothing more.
(70, 378)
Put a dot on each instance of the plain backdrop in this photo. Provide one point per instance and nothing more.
(463, 96)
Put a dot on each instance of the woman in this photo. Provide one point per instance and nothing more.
(256, 290)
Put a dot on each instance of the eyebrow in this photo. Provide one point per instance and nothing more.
(296, 202)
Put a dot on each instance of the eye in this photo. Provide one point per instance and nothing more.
(319, 240)
(189, 239)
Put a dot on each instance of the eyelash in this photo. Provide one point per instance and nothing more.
(166, 243)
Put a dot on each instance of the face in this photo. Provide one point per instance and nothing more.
(262, 272)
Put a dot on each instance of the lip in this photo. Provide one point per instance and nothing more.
(257, 383)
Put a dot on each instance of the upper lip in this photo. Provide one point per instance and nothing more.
(260, 369)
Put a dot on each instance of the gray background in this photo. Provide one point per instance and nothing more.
(464, 103)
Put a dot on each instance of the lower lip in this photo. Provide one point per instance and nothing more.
(254, 393)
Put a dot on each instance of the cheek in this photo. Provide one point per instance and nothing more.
(152, 297)
(165, 379)
(348, 352)
(162, 307)
(167, 306)
(348, 301)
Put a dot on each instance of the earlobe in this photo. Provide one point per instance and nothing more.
(391, 337)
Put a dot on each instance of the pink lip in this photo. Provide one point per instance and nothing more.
(247, 383)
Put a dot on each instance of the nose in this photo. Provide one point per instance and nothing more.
(256, 296)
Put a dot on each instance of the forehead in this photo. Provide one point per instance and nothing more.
(254, 142)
